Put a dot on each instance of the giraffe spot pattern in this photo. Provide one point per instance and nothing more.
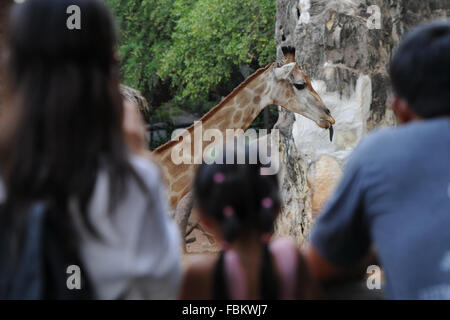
(173, 200)
(260, 89)
(242, 100)
(181, 182)
(237, 117)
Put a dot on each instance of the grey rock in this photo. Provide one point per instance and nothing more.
(338, 50)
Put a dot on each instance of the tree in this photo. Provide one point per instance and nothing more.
(146, 27)
(185, 55)
(213, 38)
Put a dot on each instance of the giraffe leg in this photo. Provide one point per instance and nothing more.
(182, 214)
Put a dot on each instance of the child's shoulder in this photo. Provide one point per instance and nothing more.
(197, 282)
(284, 245)
(294, 276)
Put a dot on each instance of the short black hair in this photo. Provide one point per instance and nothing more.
(420, 70)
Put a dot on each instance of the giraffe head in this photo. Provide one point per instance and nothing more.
(293, 91)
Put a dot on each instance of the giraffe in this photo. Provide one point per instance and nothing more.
(285, 85)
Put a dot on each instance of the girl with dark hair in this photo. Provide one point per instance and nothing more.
(63, 142)
(239, 205)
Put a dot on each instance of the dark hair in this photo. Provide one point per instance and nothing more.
(420, 70)
(65, 86)
(242, 201)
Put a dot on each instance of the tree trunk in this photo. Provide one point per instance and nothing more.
(346, 54)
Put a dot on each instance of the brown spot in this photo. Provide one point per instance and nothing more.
(252, 85)
(221, 125)
(260, 89)
(219, 122)
(257, 100)
(181, 183)
(288, 92)
(237, 117)
(167, 157)
(225, 111)
(173, 200)
(242, 100)
(248, 114)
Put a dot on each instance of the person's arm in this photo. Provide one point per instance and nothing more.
(189, 288)
(160, 245)
(307, 285)
(134, 131)
(134, 128)
(137, 254)
(327, 272)
(154, 250)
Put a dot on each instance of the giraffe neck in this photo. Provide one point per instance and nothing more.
(242, 109)
(236, 111)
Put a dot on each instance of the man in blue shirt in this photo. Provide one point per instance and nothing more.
(394, 196)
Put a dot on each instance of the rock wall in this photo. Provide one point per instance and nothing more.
(345, 47)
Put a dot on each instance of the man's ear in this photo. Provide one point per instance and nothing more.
(282, 73)
(403, 111)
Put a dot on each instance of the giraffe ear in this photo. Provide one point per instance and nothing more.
(283, 72)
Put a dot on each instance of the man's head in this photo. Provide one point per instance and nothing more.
(420, 73)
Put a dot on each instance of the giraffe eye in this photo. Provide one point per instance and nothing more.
(299, 86)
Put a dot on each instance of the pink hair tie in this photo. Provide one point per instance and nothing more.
(219, 178)
(265, 237)
(267, 202)
(228, 211)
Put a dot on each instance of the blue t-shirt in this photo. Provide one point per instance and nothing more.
(395, 195)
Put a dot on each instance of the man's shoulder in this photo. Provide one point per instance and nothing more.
(417, 133)
(374, 146)
(387, 136)
(391, 142)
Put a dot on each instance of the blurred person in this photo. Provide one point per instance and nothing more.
(239, 206)
(393, 202)
(63, 144)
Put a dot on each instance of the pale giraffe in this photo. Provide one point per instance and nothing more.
(287, 86)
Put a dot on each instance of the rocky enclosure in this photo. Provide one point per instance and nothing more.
(346, 57)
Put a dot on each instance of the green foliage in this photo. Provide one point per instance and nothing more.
(184, 55)
(212, 38)
(146, 27)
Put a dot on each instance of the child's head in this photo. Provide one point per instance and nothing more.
(237, 198)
